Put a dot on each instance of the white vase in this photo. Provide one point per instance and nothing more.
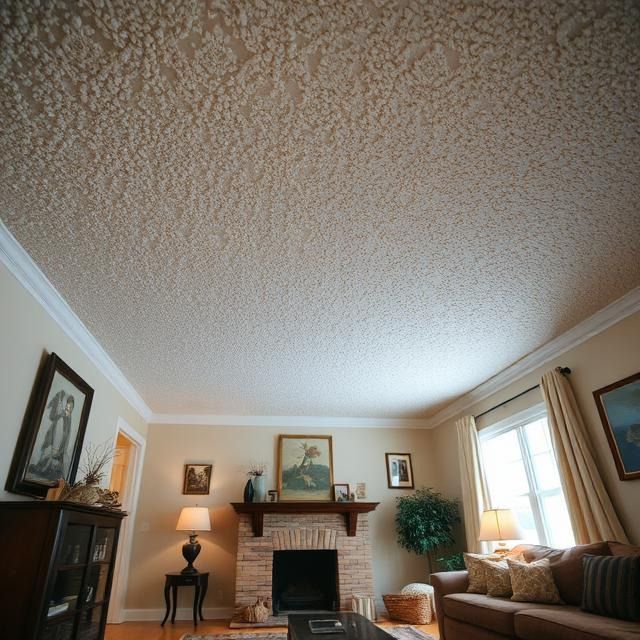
(259, 489)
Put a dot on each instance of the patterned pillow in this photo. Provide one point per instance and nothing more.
(477, 573)
(533, 582)
(498, 578)
(612, 586)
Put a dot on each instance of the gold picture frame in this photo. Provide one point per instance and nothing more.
(305, 468)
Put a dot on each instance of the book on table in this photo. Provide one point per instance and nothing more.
(326, 626)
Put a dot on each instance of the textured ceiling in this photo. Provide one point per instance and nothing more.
(323, 208)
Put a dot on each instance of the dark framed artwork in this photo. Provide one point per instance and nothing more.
(619, 408)
(305, 468)
(341, 492)
(50, 441)
(399, 471)
(197, 479)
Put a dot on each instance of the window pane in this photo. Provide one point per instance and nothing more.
(537, 434)
(557, 519)
(522, 507)
(546, 471)
(504, 469)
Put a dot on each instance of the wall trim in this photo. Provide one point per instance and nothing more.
(29, 275)
(595, 324)
(288, 421)
(182, 613)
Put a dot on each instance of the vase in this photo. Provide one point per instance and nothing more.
(259, 489)
(248, 491)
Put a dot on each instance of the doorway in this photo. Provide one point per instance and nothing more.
(126, 471)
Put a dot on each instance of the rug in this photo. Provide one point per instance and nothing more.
(400, 633)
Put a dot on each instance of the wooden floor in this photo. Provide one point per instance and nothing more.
(153, 630)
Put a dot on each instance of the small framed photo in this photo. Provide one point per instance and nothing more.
(619, 408)
(273, 495)
(341, 492)
(52, 434)
(197, 479)
(361, 491)
(399, 471)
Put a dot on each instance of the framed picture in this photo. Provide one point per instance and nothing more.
(619, 409)
(341, 492)
(305, 468)
(361, 490)
(50, 441)
(273, 495)
(197, 479)
(399, 470)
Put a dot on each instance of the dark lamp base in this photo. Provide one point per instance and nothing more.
(190, 551)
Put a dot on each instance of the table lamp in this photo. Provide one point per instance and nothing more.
(192, 519)
(499, 525)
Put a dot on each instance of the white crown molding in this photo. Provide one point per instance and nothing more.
(29, 275)
(597, 323)
(288, 421)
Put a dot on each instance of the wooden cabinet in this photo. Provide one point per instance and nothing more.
(56, 567)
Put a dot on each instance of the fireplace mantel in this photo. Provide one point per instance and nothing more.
(350, 510)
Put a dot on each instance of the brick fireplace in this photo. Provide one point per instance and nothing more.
(302, 531)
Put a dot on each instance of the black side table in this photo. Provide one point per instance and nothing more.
(176, 579)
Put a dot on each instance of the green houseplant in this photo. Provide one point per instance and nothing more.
(425, 521)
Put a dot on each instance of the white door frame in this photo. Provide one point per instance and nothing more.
(134, 474)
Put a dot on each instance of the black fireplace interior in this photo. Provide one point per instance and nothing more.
(305, 581)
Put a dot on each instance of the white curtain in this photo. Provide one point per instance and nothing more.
(474, 487)
(592, 515)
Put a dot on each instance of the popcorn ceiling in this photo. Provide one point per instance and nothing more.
(323, 208)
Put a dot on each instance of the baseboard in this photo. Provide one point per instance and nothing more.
(182, 613)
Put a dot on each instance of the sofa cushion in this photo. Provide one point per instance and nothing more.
(612, 586)
(498, 579)
(494, 614)
(621, 549)
(566, 565)
(533, 582)
(569, 623)
(477, 573)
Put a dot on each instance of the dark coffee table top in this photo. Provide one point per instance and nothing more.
(357, 627)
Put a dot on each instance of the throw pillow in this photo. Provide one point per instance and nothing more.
(533, 582)
(612, 586)
(498, 578)
(566, 566)
(477, 573)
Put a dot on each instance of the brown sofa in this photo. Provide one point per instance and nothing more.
(472, 616)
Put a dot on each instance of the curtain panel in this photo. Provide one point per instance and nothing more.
(474, 487)
(592, 514)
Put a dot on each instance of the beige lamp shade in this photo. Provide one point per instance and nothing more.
(194, 519)
(499, 524)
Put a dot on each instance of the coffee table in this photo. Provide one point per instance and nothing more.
(356, 627)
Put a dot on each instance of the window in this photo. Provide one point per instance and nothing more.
(522, 474)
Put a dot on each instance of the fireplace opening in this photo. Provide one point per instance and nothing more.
(305, 581)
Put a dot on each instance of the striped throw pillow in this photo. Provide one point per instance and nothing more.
(611, 586)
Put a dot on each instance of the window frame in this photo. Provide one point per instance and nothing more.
(518, 423)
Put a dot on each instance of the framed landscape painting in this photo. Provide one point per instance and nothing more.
(619, 409)
(50, 442)
(305, 468)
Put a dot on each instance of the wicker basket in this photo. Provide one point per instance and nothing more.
(414, 609)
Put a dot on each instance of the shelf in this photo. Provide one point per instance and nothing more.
(350, 510)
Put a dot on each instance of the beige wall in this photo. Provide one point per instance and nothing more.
(610, 356)
(358, 456)
(28, 334)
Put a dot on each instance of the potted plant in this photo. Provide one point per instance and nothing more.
(425, 522)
